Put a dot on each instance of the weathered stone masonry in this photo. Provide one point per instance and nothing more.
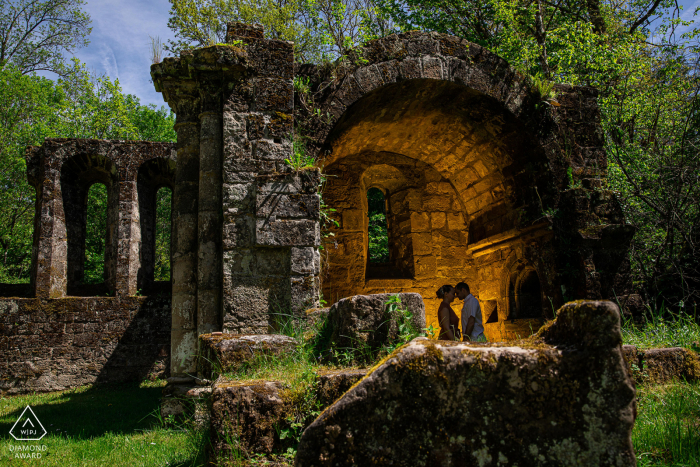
(246, 227)
(485, 181)
(59, 337)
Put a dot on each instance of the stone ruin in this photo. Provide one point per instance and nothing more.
(485, 181)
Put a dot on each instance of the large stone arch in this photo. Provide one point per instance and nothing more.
(505, 152)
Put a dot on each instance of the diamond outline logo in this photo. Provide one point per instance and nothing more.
(25, 423)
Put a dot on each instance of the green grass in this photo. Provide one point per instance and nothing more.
(101, 426)
(663, 329)
(667, 430)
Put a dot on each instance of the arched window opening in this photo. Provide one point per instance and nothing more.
(525, 296)
(378, 231)
(161, 268)
(95, 235)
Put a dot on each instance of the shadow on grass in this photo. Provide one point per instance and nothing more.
(117, 409)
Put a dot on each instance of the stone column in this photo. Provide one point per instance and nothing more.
(209, 280)
(50, 250)
(232, 139)
(184, 240)
(128, 235)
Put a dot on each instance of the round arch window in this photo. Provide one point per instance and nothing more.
(525, 295)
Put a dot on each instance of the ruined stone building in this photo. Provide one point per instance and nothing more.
(484, 179)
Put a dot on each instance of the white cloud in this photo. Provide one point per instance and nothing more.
(120, 44)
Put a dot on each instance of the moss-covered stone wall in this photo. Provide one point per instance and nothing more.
(54, 344)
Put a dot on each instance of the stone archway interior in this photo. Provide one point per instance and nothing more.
(456, 169)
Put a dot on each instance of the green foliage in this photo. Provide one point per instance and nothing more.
(34, 34)
(198, 23)
(664, 328)
(96, 230)
(407, 330)
(377, 228)
(300, 158)
(76, 105)
(27, 114)
(163, 229)
(322, 30)
(666, 431)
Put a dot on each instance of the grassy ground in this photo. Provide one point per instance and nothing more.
(663, 329)
(119, 426)
(667, 430)
(102, 426)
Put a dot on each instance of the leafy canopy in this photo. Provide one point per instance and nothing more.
(34, 34)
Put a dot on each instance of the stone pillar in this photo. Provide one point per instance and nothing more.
(253, 259)
(184, 241)
(50, 249)
(128, 235)
(209, 281)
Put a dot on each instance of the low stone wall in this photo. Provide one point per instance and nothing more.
(562, 397)
(661, 366)
(55, 344)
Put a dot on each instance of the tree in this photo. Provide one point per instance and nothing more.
(26, 116)
(321, 30)
(79, 105)
(34, 34)
(649, 82)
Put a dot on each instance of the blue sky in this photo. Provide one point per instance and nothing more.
(120, 44)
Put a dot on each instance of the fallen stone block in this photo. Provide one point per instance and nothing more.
(674, 363)
(332, 384)
(221, 353)
(633, 361)
(184, 401)
(562, 397)
(365, 323)
(244, 416)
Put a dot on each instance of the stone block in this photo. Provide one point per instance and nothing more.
(248, 413)
(332, 384)
(228, 353)
(305, 261)
(420, 222)
(455, 221)
(268, 150)
(273, 94)
(662, 366)
(238, 197)
(287, 232)
(238, 232)
(432, 68)
(272, 261)
(364, 320)
(544, 402)
(304, 293)
(288, 206)
(437, 220)
(422, 244)
(249, 303)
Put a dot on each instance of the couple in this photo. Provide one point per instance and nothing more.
(472, 323)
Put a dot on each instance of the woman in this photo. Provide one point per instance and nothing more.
(449, 322)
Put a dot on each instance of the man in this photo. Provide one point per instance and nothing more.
(472, 323)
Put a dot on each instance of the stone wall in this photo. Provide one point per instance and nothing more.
(50, 345)
(487, 181)
(246, 224)
(64, 333)
(62, 171)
